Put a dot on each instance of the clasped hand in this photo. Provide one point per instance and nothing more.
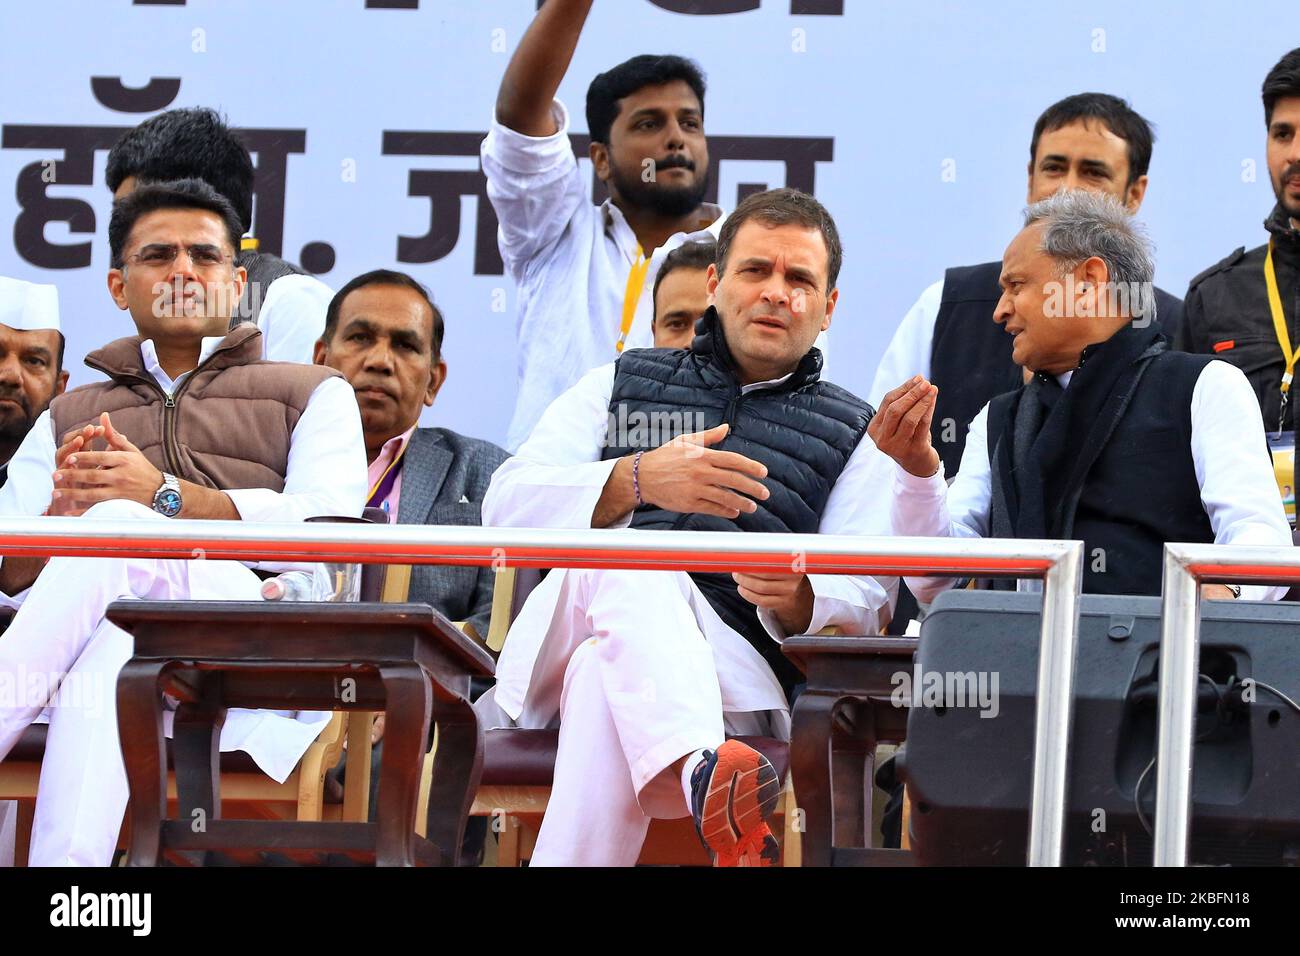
(83, 477)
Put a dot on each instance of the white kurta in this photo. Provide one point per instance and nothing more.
(60, 628)
(292, 318)
(1229, 453)
(637, 665)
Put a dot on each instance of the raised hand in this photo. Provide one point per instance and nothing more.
(538, 66)
(901, 427)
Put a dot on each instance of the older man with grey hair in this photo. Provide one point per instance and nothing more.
(1115, 439)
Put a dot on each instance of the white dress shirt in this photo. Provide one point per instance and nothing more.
(292, 318)
(909, 350)
(557, 477)
(1229, 453)
(326, 472)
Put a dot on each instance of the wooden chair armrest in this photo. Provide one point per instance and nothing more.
(356, 782)
(802, 649)
(320, 757)
(503, 594)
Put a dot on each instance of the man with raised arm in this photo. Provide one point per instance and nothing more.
(584, 272)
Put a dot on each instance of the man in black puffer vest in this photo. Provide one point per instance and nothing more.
(1115, 440)
(647, 671)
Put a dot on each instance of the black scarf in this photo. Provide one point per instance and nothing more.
(1041, 460)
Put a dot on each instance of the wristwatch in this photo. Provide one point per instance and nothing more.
(167, 499)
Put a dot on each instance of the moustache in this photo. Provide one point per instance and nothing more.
(1291, 172)
(674, 162)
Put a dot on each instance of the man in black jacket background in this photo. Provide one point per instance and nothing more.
(1228, 311)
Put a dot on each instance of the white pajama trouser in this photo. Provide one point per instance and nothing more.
(60, 630)
(636, 684)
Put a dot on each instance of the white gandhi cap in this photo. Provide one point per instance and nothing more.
(27, 307)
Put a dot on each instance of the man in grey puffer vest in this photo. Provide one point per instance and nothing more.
(648, 671)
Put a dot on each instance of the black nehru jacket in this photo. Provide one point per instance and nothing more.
(1111, 462)
(1227, 315)
(804, 430)
(970, 354)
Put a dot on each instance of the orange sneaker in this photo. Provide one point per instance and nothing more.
(734, 792)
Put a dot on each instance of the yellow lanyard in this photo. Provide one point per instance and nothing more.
(1283, 336)
(632, 295)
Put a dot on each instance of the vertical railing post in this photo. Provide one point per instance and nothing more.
(1055, 708)
(1180, 639)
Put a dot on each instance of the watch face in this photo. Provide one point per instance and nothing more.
(168, 503)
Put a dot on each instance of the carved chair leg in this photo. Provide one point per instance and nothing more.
(406, 733)
(810, 764)
(140, 727)
(457, 769)
(196, 759)
(852, 760)
(196, 756)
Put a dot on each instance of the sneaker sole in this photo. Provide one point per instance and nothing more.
(742, 796)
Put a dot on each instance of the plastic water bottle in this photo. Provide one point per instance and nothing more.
(290, 586)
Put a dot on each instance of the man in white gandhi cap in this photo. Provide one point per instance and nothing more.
(31, 375)
(31, 360)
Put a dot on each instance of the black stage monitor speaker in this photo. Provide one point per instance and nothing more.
(968, 760)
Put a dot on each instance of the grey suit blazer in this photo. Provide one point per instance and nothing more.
(444, 478)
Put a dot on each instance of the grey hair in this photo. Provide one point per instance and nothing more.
(1082, 224)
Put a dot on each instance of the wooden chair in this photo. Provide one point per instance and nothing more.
(246, 790)
(519, 765)
(405, 659)
(843, 714)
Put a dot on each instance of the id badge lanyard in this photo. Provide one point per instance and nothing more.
(632, 295)
(1283, 336)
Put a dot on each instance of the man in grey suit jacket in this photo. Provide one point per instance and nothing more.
(385, 335)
